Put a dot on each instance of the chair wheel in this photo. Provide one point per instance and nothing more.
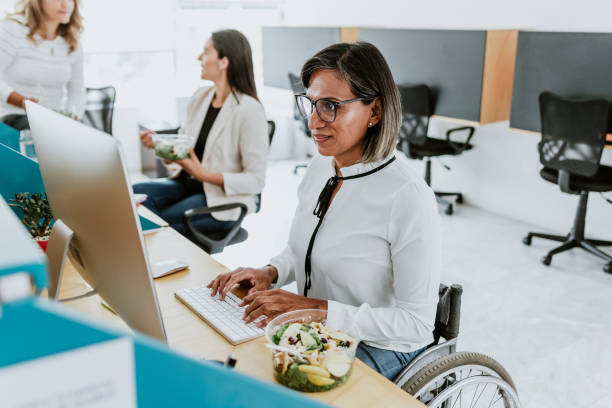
(608, 268)
(449, 209)
(527, 240)
(546, 260)
(459, 199)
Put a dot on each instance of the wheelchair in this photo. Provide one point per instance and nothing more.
(441, 377)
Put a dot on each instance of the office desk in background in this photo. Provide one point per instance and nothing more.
(188, 334)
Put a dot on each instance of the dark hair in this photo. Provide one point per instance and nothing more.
(367, 73)
(234, 45)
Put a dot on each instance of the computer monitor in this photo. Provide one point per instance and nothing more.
(88, 189)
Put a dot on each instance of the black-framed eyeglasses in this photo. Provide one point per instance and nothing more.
(326, 109)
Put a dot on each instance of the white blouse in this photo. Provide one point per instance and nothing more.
(45, 71)
(376, 257)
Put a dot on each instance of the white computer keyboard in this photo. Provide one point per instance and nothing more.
(224, 316)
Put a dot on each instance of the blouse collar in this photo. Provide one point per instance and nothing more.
(359, 168)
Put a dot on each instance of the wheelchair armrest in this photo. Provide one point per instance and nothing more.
(448, 314)
(457, 148)
(205, 240)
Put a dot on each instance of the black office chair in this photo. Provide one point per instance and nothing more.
(16, 121)
(298, 88)
(417, 108)
(573, 138)
(214, 241)
(99, 108)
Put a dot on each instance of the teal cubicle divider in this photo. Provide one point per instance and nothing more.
(9, 136)
(34, 328)
(18, 174)
(18, 252)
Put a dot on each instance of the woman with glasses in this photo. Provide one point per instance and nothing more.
(365, 240)
(41, 59)
(227, 163)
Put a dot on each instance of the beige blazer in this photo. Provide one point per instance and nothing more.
(237, 146)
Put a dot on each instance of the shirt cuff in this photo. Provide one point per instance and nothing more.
(228, 183)
(282, 271)
(340, 317)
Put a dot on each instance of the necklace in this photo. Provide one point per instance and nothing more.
(48, 37)
(321, 209)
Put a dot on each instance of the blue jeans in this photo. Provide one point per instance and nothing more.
(389, 363)
(171, 198)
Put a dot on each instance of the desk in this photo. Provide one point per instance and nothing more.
(188, 334)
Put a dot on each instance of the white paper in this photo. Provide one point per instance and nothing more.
(97, 376)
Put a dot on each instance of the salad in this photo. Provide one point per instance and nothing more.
(172, 147)
(311, 357)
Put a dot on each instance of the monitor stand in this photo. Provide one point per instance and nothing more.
(57, 250)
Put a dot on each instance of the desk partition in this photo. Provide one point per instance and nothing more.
(286, 49)
(449, 61)
(470, 72)
(568, 64)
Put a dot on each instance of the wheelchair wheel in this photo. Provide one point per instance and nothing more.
(463, 379)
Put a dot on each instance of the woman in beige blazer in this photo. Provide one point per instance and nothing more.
(228, 160)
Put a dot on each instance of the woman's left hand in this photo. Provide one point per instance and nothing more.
(274, 302)
(191, 164)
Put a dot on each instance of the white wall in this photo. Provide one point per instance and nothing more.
(560, 15)
(501, 173)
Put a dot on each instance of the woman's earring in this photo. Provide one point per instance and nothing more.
(370, 124)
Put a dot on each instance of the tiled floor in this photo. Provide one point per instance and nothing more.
(550, 327)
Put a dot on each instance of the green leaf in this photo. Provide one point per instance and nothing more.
(276, 337)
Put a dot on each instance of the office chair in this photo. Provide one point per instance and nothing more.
(99, 107)
(298, 88)
(573, 138)
(214, 242)
(417, 108)
(16, 121)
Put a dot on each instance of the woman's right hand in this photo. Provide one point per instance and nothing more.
(18, 100)
(146, 138)
(256, 278)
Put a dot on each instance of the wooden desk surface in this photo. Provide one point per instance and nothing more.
(188, 334)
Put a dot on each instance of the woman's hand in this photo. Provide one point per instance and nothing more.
(256, 278)
(18, 100)
(273, 302)
(146, 138)
(192, 165)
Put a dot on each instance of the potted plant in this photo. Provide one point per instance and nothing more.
(37, 216)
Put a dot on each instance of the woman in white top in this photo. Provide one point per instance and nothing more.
(365, 240)
(227, 163)
(41, 59)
